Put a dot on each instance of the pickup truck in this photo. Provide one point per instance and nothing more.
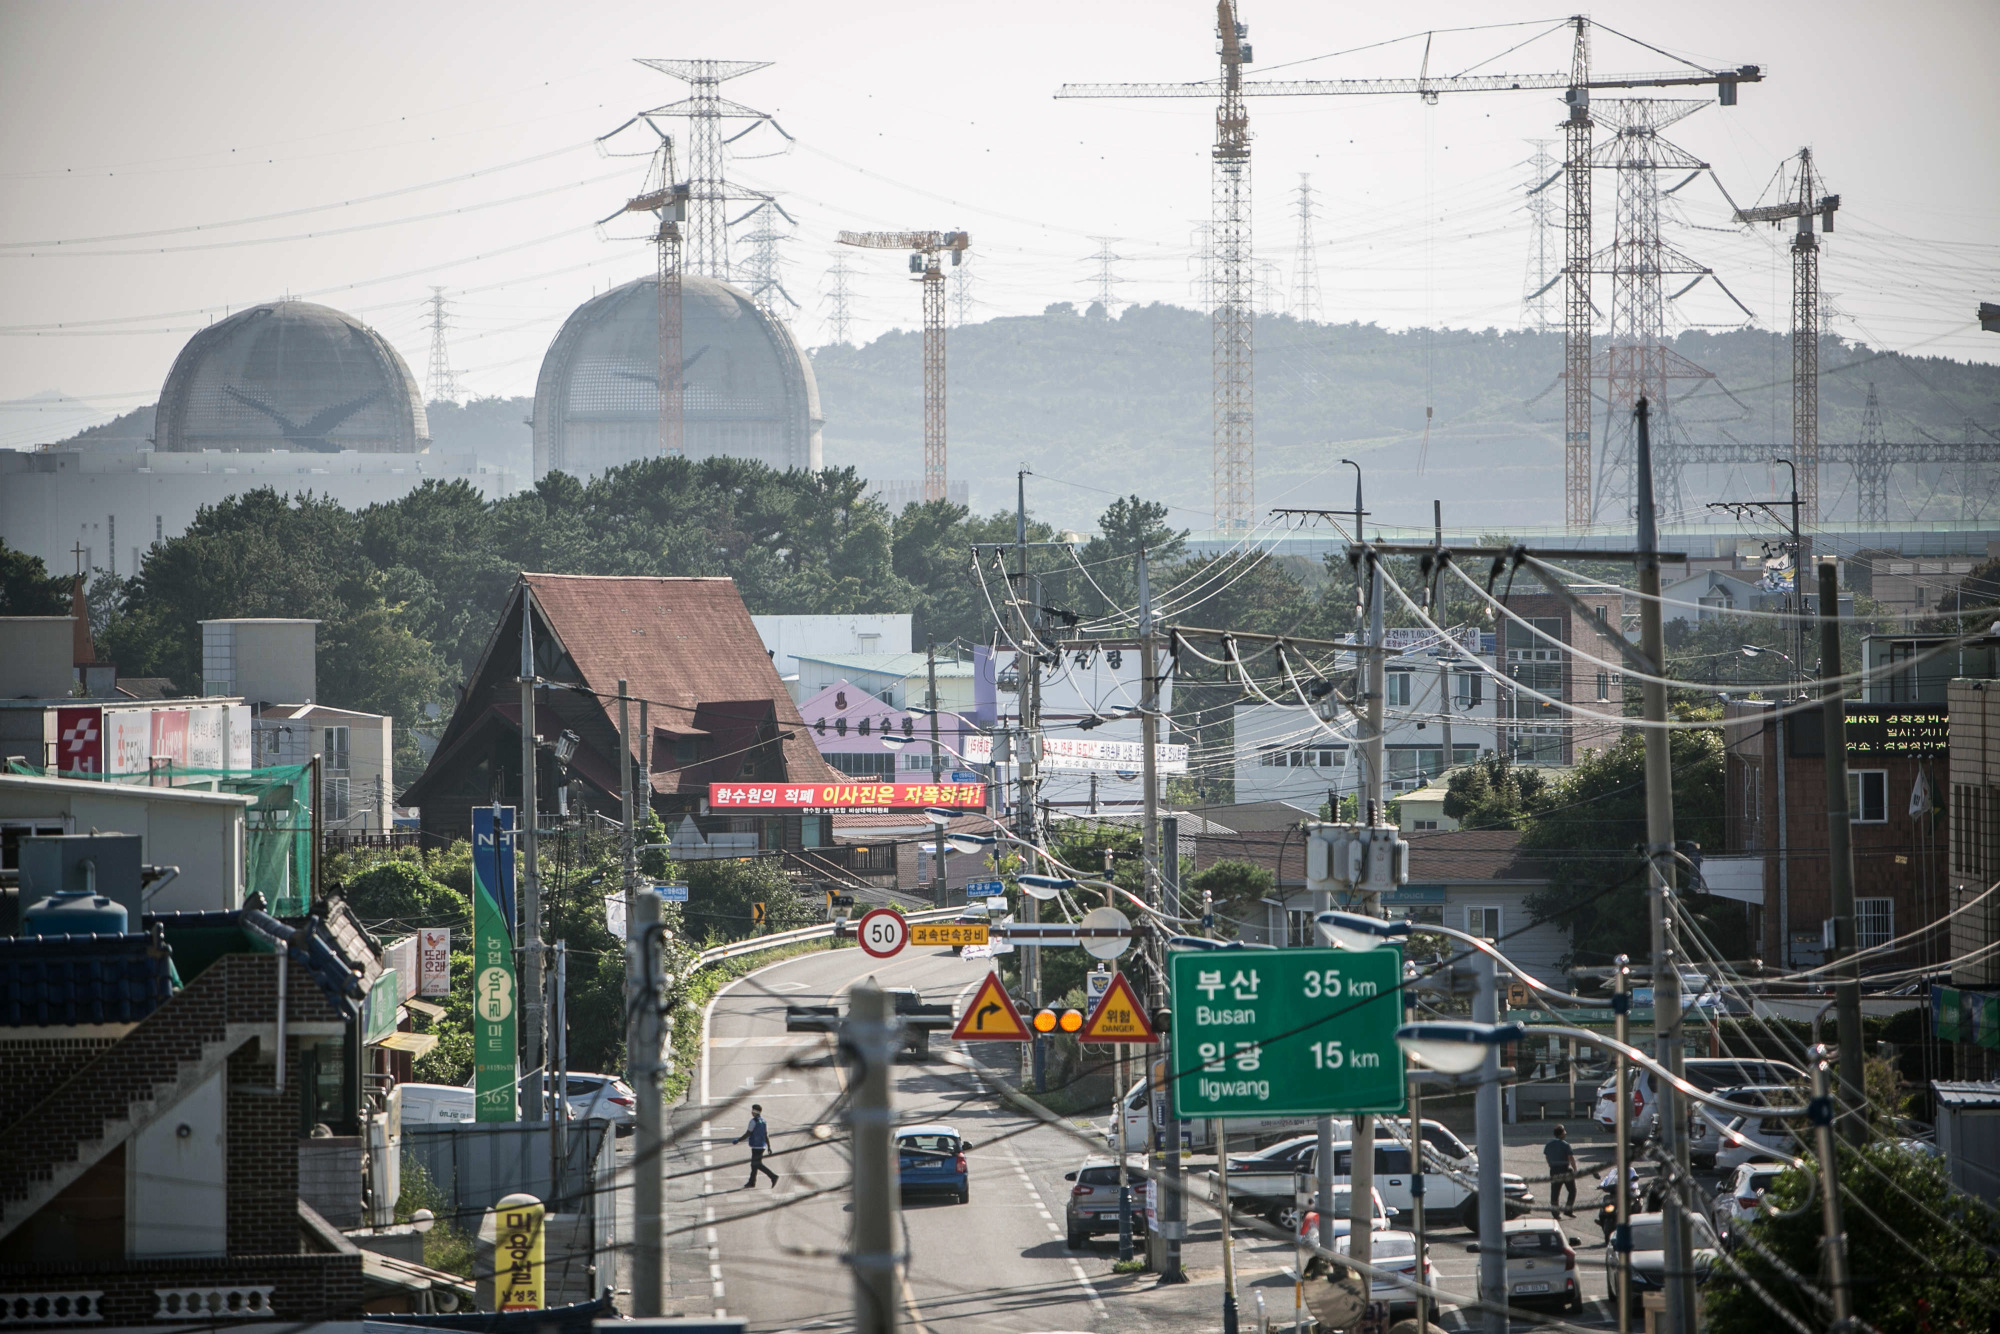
(1451, 1186)
(920, 1020)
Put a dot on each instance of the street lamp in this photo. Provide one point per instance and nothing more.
(1455, 1047)
(1352, 931)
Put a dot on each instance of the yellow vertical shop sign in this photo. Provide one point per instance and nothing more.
(517, 1253)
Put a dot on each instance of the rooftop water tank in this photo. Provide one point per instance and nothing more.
(75, 913)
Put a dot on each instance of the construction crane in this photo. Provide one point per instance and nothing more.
(1805, 204)
(1576, 86)
(668, 200)
(925, 249)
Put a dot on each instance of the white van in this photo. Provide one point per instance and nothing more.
(436, 1105)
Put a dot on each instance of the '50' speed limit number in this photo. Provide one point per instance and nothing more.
(883, 932)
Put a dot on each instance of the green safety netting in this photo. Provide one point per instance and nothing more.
(278, 824)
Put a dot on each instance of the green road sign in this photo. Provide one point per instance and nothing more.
(1287, 1032)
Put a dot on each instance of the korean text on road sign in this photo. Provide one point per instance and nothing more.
(991, 1017)
(1309, 1032)
(950, 934)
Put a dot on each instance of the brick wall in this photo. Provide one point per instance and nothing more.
(31, 1066)
(262, 1162)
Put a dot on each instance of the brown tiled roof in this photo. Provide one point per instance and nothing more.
(680, 643)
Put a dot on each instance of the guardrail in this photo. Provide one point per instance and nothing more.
(755, 944)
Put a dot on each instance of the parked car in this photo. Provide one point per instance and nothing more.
(435, 1105)
(1197, 1135)
(930, 1160)
(1396, 1251)
(1707, 1073)
(1451, 1188)
(1750, 1139)
(593, 1097)
(1649, 1259)
(1541, 1265)
(1737, 1202)
(1093, 1200)
(1379, 1216)
(1705, 1126)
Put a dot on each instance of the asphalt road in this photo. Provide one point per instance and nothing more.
(996, 1265)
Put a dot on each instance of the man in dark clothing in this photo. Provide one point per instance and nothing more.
(759, 1136)
(1562, 1172)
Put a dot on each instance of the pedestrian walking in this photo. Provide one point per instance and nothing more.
(1562, 1172)
(759, 1136)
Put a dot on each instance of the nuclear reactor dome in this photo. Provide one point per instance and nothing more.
(290, 375)
(747, 388)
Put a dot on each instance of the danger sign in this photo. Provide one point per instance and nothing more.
(1118, 1017)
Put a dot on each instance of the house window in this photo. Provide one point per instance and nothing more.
(1753, 793)
(813, 830)
(1603, 687)
(1463, 753)
(686, 748)
(335, 749)
(866, 763)
(1874, 922)
(1868, 796)
(334, 811)
(1481, 920)
(1399, 689)
(1423, 826)
(1470, 692)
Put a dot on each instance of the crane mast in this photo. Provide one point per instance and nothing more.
(926, 251)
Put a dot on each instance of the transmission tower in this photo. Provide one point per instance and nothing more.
(709, 190)
(962, 299)
(1305, 281)
(444, 385)
(1872, 462)
(1106, 282)
(763, 271)
(1543, 274)
(926, 250)
(1805, 204)
(840, 322)
(666, 197)
(1637, 362)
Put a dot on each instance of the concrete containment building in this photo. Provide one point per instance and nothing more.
(290, 375)
(747, 386)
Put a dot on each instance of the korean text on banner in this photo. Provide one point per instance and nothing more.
(493, 980)
(434, 961)
(843, 797)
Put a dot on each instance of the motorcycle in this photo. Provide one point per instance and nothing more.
(1642, 1196)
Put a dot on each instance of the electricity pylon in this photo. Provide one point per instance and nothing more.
(925, 249)
(841, 320)
(1542, 273)
(709, 190)
(1305, 277)
(444, 386)
(1232, 163)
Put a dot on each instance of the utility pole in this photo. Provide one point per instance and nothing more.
(1361, 1156)
(531, 874)
(1027, 692)
(1660, 894)
(1172, 1207)
(939, 891)
(643, 950)
(1489, 1137)
(1840, 857)
(872, 1033)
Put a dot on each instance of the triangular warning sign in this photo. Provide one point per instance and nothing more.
(991, 1017)
(1118, 1017)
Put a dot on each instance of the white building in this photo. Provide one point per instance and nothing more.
(271, 663)
(786, 638)
(117, 501)
(202, 833)
(1289, 754)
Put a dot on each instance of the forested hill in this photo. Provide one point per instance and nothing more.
(1117, 404)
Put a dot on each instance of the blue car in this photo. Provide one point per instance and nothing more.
(931, 1161)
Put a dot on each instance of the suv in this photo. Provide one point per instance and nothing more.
(1738, 1201)
(1450, 1187)
(1093, 1200)
(1707, 1073)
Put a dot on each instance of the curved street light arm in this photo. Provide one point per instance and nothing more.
(1639, 1058)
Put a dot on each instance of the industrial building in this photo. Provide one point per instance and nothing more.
(747, 386)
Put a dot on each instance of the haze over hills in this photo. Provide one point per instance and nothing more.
(1099, 407)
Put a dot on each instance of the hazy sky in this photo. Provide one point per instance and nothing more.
(123, 118)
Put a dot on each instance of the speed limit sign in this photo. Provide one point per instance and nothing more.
(883, 932)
